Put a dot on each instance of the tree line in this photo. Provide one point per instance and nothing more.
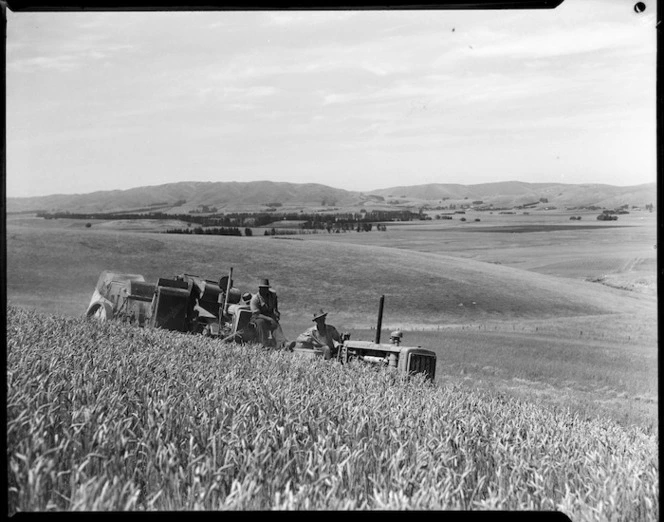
(212, 231)
(341, 220)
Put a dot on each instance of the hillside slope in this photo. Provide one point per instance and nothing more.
(511, 193)
(59, 268)
(433, 191)
(186, 196)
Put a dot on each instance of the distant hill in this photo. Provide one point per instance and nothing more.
(512, 193)
(174, 198)
(186, 196)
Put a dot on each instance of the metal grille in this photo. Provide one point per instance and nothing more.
(420, 363)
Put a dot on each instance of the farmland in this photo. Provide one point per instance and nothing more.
(540, 323)
(165, 421)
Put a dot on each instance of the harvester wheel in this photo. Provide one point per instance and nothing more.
(100, 313)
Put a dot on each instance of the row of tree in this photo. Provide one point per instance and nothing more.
(257, 219)
(212, 231)
(248, 232)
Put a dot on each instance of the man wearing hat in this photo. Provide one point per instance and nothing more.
(396, 336)
(322, 336)
(265, 315)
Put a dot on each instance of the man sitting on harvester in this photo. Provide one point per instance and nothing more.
(322, 336)
(265, 316)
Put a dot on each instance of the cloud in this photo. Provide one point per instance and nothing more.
(77, 58)
(58, 63)
(554, 43)
(283, 93)
(290, 19)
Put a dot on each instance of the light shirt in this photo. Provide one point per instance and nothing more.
(316, 339)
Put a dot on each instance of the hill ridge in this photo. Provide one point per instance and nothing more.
(253, 196)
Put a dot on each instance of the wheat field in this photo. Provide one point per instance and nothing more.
(111, 417)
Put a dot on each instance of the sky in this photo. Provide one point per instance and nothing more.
(358, 100)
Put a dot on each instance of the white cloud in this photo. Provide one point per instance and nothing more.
(291, 19)
(281, 94)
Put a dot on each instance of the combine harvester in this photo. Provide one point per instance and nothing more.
(189, 303)
(184, 303)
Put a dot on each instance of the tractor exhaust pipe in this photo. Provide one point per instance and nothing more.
(379, 325)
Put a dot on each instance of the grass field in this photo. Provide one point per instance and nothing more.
(585, 249)
(327, 270)
(562, 318)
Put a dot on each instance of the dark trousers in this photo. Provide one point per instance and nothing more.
(264, 325)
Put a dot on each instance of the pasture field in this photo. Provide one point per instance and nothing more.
(426, 270)
(546, 243)
(591, 373)
(157, 420)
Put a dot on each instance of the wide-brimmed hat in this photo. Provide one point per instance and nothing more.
(396, 334)
(246, 296)
(319, 314)
(265, 283)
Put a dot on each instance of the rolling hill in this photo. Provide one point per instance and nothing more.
(174, 198)
(512, 193)
(186, 196)
(63, 264)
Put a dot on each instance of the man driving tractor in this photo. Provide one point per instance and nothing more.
(321, 336)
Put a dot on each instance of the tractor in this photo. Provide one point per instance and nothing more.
(407, 359)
